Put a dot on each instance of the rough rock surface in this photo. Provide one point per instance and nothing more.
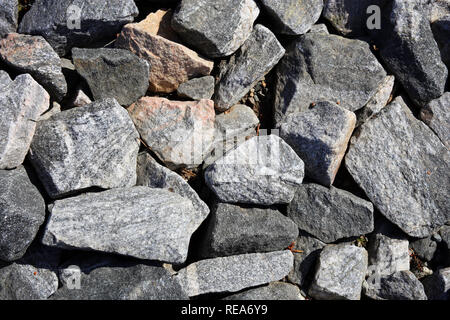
(146, 223)
(9, 15)
(436, 116)
(263, 170)
(257, 56)
(437, 286)
(197, 89)
(273, 291)
(340, 273)
(180, 133)
(232, 274)
(330, 214)
(77, 23)
(215, 28)
(91, 146)
(25, 282)
(388, 255)
(33, 55)
(22, 211)
(320, 137)
(439, 8)
(396, 154)
(293, 17)
(4, 79)
(22, 101)
(425, 248)
(320, 67)
(171, 63)
(234, 229)
(112, 73)
(441, 32)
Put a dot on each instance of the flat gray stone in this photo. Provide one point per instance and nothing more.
(273, 291)
(425, 248)
(234, 229)
(410, 193)
(9, 15)
(143, 222)
(320, 137)
(234, 273)
(293, 17)
(92, 146)
(22, 211)
(22, 101)
(216, 28)
(256, 57)
(77, 23)
(388, 255)
(113, 73)
(436, 116)
(330, 214)
(263, 170)
(197, 89)
(325, 67)
(340, 272)
(33, 55)
(437, 286)
(26, 282)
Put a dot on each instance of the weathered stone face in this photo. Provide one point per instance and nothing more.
(9, 15)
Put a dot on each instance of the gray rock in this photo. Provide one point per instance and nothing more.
(293, 17)
(22, 211)
(56, 108)
(197, 89)
(9, 15)
(263, 170)
(22, 101)
(273, 291)
(403, 168)
(146, 223)
(234, 229)
(257, 56)
(92, 146)
(25, 282)
(388, 255)
(234, 273)
(319, 28)
(320, 137)
(437, 286)
(439, 8)
(409, 50)
(4, 79)
(330, 214)
(444, 232)
(151, 174)
(424, 248)
(325, 67)
(33, 55)
(340, 272)
(441, 32)
(436, 116)
(215, 28)
(401, 285)
(138, 282)
(112, 73)
(77, 23)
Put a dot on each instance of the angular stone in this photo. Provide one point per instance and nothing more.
(340, 273)
(22, 211)
(33, 55)
(151, 174)
(319, 28)
(437, 286)
(138, 282)
(9, 15)
(330, 214)
(171, 62)
(26, 282)
(77, 23)
(263, 170)
(403, 168)
(388, 255)
(439, 8)
(180, 133)
(112, 73)
(326, 67)
(257, 56)
(320, 137)
(234, 229)
(436, 116)
(409, 50)
(215, 28)
(4, 79)
(401, 285)
(56, 108)
(441, 32)
(197, 89)
(232, 274)
(293, 17)
(92, 146)
(424, 248)
(142, 222)
(22, 101)
(273, 291)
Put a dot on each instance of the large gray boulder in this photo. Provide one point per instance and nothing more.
(143, 222)
(92, 146)
(436, 116)
(403, 168)
(273, 291)
(9, 15)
